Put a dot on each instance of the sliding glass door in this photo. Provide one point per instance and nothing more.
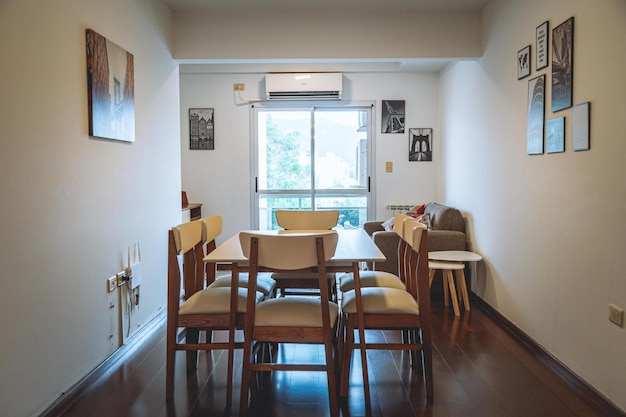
(314, 157)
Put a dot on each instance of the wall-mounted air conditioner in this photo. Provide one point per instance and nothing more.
(304, 86)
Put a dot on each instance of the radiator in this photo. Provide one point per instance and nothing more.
(392, 209)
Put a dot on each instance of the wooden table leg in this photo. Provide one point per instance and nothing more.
(452, 288)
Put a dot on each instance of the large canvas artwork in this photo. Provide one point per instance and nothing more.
(110, 84)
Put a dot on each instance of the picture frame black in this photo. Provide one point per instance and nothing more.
(555, 135)
(581, 114)
(542, 45)
(562, 65)
(536, 111)
(392, 116)
(421, 144)
(523, 62)
(201, 129)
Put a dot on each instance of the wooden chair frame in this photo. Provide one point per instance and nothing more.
(325, 335)
(416, 329)
(192, 324)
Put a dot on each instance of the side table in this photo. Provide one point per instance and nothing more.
(448, 261)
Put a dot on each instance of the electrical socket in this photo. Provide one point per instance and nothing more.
(112, 283)
(616, 315)
(239, 87)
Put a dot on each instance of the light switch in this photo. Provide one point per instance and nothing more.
(388, 166)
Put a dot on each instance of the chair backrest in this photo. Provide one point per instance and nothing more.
(186, 240)
(211, 229)
(415, 234)
(289, 251)
(307, 219)
(403, 247)
(398, 222)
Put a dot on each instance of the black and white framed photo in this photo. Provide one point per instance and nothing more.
(536, 105)
(542, 45)
(523, 62)
(555, 135)
(420, 144)
(580, 126)
(392, 116)
(201, 129)
(562, 65)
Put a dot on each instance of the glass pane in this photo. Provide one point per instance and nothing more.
(268, 204)
(284, 150)
(340, 149)
(352, 209)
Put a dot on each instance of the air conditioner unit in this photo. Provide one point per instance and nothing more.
(304, 86)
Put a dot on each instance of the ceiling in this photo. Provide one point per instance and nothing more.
(182, 5)
(403, 65)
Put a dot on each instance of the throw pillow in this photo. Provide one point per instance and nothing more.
(388, 225)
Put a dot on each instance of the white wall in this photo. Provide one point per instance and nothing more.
(551, 227)
(220, 179)
(71, 204)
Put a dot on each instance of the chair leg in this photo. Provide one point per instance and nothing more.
(330, 373)
(192, 336)
(245, 377)
(169, 365)
(346, 355)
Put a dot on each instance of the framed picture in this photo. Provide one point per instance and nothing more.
(562, 65)
(393, 116)
(420, 144)
(555, 135)
(111, 89)
(580, 126)
(536, 104)
(541, 45)
(523, 63)
(201, 129)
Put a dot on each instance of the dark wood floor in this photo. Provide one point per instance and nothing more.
(479, 370)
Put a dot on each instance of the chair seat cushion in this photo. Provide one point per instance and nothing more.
(215, 301)
(371, 279)
(381, 301)
(293, 312)
(264, 283)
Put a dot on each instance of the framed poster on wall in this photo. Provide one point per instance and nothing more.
(535, 121)
(562, 65)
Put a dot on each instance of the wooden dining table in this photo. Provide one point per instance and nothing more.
(353, 247)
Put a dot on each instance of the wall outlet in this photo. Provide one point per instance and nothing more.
(616, 315)
(239, 87)
(112, 283)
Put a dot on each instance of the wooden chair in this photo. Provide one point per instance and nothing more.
(201, 309)
(382, 278)
(211, 229)
(308, 320)
(407, 311)
(302, 283)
